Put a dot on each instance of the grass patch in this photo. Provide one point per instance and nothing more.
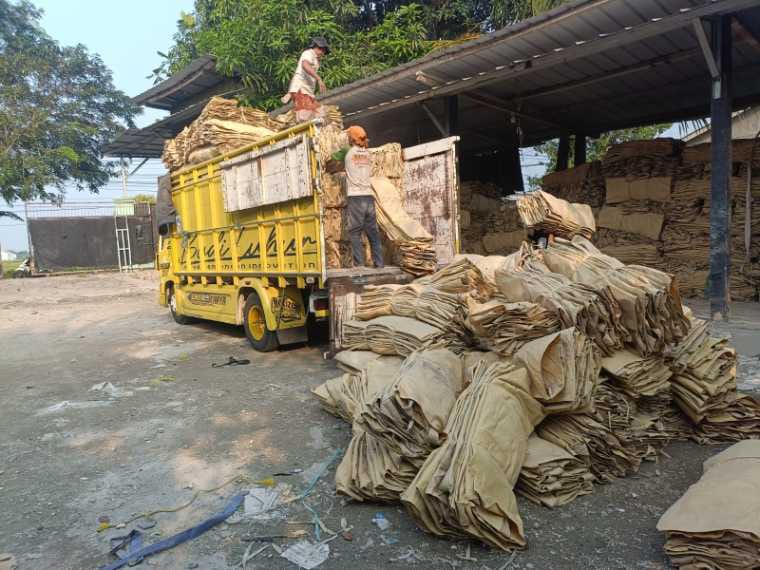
(9, 267)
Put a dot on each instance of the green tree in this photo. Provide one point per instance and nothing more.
(58, 106)
(144, 198)
(595, 148)
(259, 41)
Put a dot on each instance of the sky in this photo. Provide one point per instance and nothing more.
(127, 39)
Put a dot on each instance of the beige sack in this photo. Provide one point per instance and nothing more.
(646, 224)
(344, 396)
(464, 489)
(564, 370)
(715, 524)
(636, 375)
(410, 414)
(551, 476)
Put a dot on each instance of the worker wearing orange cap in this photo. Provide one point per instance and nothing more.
(361, 199)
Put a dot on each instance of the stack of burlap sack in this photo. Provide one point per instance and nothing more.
(413, 242)
(225, 125)
(537, 374)
(222, 126)
(488, 222)
(540, 211)
(715, 524)
(426, 303)
(391, 335)
(655, 209)
(582, 184)
(551, 476)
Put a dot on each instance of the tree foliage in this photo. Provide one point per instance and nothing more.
(259, 41)
(58, 106)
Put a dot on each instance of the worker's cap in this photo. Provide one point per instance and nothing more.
(357, 135)
(320, 42)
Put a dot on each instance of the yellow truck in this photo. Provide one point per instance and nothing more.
(242, 237)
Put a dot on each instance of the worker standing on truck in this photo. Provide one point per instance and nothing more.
(302, 89)
(361, 200)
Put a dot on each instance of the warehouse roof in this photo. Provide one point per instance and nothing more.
(588, 66)
(148, 142)
(198, 77)
(184, 94)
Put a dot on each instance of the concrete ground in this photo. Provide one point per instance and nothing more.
(169, 425)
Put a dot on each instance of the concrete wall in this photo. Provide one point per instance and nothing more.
(67, 242)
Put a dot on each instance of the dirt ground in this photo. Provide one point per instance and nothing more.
(172, 424)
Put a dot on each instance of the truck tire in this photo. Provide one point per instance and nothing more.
(171, 299)
(254, 322)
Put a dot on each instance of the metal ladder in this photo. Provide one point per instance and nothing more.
(123, 245)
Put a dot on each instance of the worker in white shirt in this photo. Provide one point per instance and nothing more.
(361, 200)
(303, 86)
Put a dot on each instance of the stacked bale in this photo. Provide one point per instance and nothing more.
(591, 367)
(655, 210)
(488, 222)
(222, 126)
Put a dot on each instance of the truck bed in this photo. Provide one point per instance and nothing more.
(368, 272)
(344, 287)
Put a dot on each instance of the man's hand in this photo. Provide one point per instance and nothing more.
(322, 86)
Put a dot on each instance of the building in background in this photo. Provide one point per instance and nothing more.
(9, 255)
(744, 125)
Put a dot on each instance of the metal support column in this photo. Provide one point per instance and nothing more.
(452, 115)
(579, 149)
(720, 123)
(513, 179)
(563, 152)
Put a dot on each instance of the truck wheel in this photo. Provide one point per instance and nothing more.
(172, 300)
(254, 322)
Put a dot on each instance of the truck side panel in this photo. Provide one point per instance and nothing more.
(274, 241)
(279, 240)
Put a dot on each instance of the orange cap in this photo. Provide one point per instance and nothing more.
(357, 135)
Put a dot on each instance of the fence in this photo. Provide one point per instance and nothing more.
(91, 235)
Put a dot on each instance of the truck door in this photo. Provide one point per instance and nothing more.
(431, 193)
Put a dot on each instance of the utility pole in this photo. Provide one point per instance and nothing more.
(124, 176)
(32, 262)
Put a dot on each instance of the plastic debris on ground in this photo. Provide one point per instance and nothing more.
(381, 522)
(306, 554)
(110, 390)
(7, 561)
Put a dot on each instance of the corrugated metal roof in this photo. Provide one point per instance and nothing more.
(196, 78)
(589, 66)
(148, 142)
